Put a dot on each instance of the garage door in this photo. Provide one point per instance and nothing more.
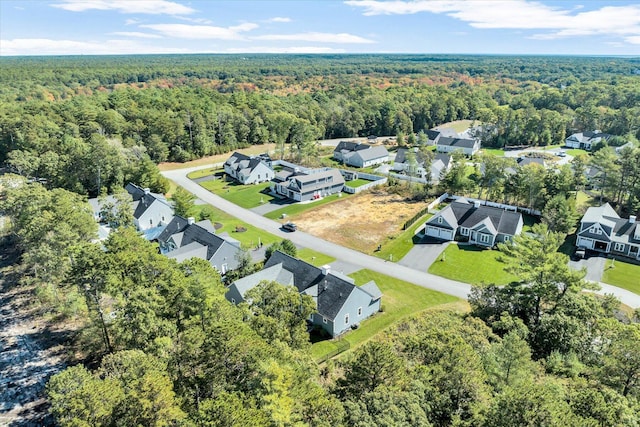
(586, 243)
(440, 233)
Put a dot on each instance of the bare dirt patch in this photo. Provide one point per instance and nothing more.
(361, 222)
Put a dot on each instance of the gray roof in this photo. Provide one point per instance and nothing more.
(619, 230)
(433, 134)
(372, 289)
(307, 180)
(192, 250)
(275, 273)
(244, 165)
(524, 161)
(457, 142)
(347, 146)
(401, 156)
(374, 152)
(467, 215)
(589, 136)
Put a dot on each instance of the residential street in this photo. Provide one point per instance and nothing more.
(426, 280)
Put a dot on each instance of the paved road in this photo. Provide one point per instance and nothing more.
(355, 258)
(426, 280)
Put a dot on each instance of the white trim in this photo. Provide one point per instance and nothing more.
(618, 247)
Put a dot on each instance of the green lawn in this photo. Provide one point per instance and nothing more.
(583, 200)
(471, 264)
(576, 152)
(205, 172)
(357, 183)
(498, 152)
(249, 238)
(400, 299)
(314, 258)
(622, 275)
(246, 196)
(457, 126)
(400, 245)
(297, 208)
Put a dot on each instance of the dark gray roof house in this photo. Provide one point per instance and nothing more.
(340, 304)
(249, 169)
(441, 164)
(433, 136)
(183, 238)
(602, 230)
(447, 144)
(482, 225)
(360, 155)
(308, 184)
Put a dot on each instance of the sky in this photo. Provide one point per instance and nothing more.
(100, 27)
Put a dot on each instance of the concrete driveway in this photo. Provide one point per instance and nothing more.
(594, 265)
(423, 254)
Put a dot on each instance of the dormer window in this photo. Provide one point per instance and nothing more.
(596, 230)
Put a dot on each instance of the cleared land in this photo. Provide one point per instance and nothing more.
(359, 222)
(622, 275)
(471, 264)
(400, 299)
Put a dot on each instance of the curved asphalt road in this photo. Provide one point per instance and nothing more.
(426, 280)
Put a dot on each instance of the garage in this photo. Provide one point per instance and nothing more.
(439, 233)
(585, 243)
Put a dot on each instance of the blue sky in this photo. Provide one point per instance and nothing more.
(70, 27)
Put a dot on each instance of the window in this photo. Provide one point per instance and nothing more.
(151, 221)
(595, 230)
(233, 300)
(619, 247)
(324, 320)
(224, 268)
(163, 217)
(464, 231)
(439, 220)
(484, 238)
(359, 311)
(507, 238)
(346, 319)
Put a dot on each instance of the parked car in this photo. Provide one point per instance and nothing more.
(289, 226)
(580, 253)
(562, 154)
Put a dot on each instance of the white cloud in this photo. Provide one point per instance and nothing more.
(74, 47)
(519, 14)
(136, 34)
(184, 31)
(633, 39)
(152, 7)
(316, 37)
(291, 49)
(280, 19)
(132, 21)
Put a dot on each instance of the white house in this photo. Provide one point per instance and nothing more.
(249, 169)
(602, 230)
(360, 155)
(447, 144)
(585, 140)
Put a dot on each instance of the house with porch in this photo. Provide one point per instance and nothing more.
(184, 238)
(360, 155)
(482, 225)
(446, 144)
(307, 184)
(249, 169)
(586, 140)
(602, 230)
(340, 304)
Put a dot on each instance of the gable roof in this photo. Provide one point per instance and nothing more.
(464, 214)
(433, 134)
(372, 153)
(457, 142)
(347, 146)
(244, 165)
(401, 156)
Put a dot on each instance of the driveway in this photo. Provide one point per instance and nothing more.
(273, 205)
(594, 265)
(423, 254)
(355, 258)
(517, 153)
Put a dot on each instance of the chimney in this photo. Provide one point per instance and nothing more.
(326, 269)
(632, 219)
(476, 204)
(147, 190)
(191, 220)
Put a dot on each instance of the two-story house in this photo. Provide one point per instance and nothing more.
(481, 225)
(602, 230)
(360, 155)
(309, 184)
(340, 304)
(446, 144)
(249, 169)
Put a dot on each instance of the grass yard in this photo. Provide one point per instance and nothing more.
(298, 208)
(400, 299)
(584, 201)
(246, 196)
(400, 245)
(314, 258)
(576, 152)
(471, 264)
(623, 275)
(218, 158)
(498, 152)
(249, 238)
(457, 126)
(205, 172)
(357, 183)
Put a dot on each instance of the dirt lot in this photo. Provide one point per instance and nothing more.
(360, 222)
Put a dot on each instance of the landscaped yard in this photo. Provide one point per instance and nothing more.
(399, 300)
(399, 246)
(314, 258)
(623, 275)
(200, 173)
(249, 238)
(458, 125)
(357, 183)
(471, 264)
(246, 196)
(298, 208)
(576, 152)
(498, 152)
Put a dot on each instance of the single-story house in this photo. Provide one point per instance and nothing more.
(482, 225)
(249, 169)
(448, 144)
(309, 184)
(340, 304)
(183, 239)
(586, 140)
(602, 230)
(360, 155)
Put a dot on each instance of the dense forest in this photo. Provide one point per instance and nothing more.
(161, 346)
(86, 123)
